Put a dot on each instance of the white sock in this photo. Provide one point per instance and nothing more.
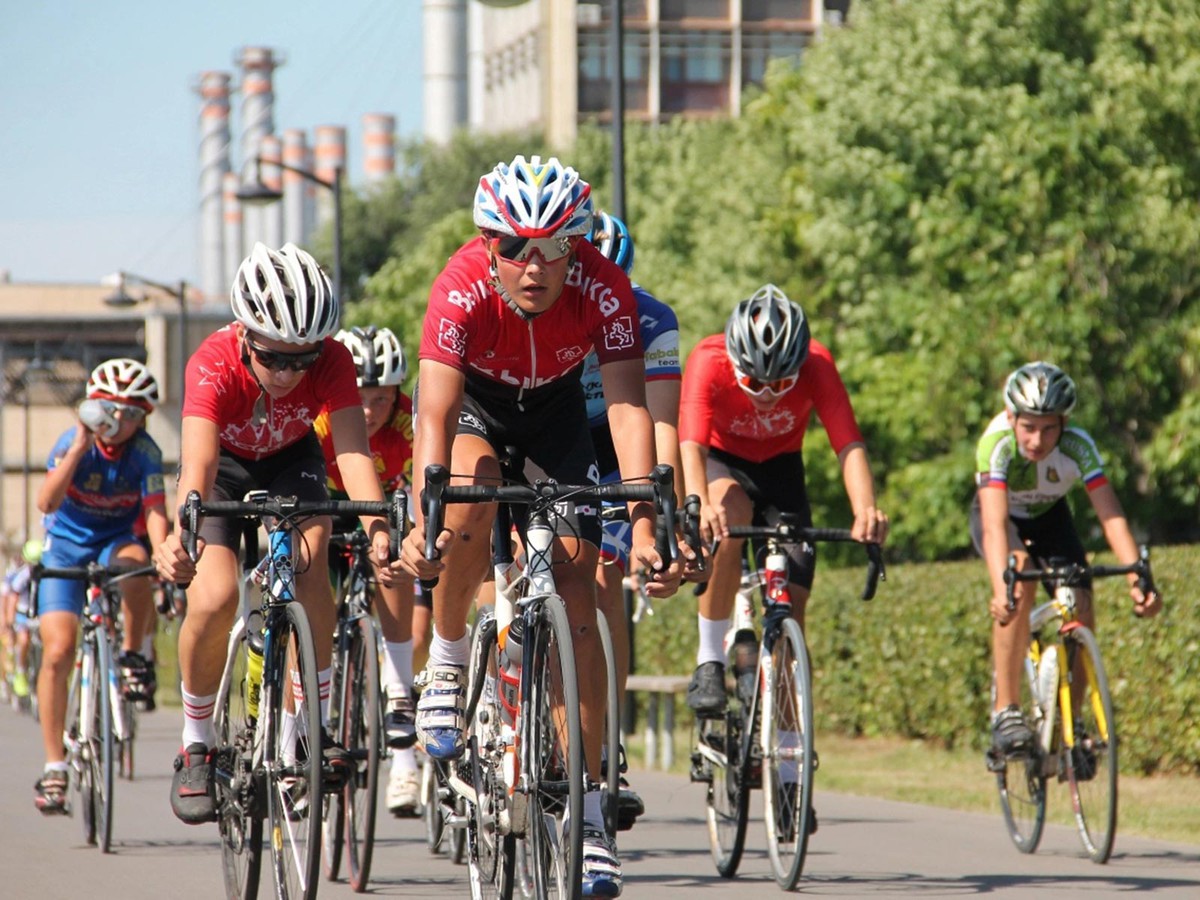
(62, 766)
(324, 677)
(404, 760)
(712, 640)
(198, 718)
(449, 653)
(593, 810)
(398, 663)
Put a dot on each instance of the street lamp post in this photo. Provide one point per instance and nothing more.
(258, 193)
(120, 299)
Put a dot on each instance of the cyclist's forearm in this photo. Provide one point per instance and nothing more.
(157, 525)
(54, 488)
(694, 458)
(857, 477)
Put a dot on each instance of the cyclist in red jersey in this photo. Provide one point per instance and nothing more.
(253, 390)
(747, 398)
(381, 367)
(510, 319)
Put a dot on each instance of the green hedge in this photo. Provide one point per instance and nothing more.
(915, 662)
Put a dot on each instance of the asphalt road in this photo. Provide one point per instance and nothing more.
(865, 848)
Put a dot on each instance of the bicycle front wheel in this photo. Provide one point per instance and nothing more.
(361, 730)
(1021, 780)
(612, 731)
(239, 814)
(1091, 762)
(292, 755)
(787, 736)
(100, 748)
(555, 769)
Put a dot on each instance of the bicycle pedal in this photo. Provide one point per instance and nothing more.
(995, 761)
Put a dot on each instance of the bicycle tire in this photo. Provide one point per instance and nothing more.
(362, 735)
(293, 756)
(435, 820)
(129, 712)
(490, 854)
(611, 787)
(1021, 781)
(555, 773)
(787, 735)
(723, 751)
(1091, 766)
(78, 753)
(239, 814)
(333, 805)
(103, 746)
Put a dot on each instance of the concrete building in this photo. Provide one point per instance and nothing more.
(51, 337)
(548, 63)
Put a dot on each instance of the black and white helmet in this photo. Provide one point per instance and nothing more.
(378, 356)
(284, 295)
(1039, 389)
(767, 336)
(123, 380)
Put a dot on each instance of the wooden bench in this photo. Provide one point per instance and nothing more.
(660, 691)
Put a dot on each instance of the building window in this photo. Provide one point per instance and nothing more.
(758, 49)
(786, 10)
(595, 66)
(695, 71)
(675, 10)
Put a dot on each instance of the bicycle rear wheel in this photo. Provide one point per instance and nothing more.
(612, 730)
(1021, 780)
(555, 770)
(361, 732)
(787, 734)
(435, 822)
(239, 813)
(292, 756)
(1091, 764)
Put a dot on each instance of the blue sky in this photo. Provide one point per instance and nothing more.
(99, 122)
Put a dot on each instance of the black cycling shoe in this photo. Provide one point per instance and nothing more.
(140, 680)
(192, 787)
(706, 693)
(337, 764)
(1010, 734)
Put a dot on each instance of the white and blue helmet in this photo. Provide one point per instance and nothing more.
(611, 237)
(532, 199)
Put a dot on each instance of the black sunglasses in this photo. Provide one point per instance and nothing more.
(278, 361)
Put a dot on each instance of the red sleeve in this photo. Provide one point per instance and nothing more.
(450, 323)
(607, 294)
(700, 374)
(335, 377)
(830, 398)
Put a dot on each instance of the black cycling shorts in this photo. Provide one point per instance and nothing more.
(1048, 536)
(774, 486)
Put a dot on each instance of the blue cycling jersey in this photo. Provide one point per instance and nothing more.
(105, 496)
(660, 340)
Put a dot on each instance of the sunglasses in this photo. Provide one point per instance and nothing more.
(278, 361)
(514, 249)
(123, 411)
(753, 386)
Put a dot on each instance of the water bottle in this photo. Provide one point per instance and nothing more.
(254, 662)
(1047, 679)
(775, 578)
(98, 419)
(510, 672)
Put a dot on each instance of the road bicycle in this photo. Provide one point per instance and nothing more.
(267, 760)
(355, 715)
(1065, 698)
(101, 723)
(522, 776)
(764, 739)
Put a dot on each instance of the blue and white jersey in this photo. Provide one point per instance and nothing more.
(105, 496)
(660, 340)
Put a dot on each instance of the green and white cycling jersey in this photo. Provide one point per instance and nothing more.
(1033, 487)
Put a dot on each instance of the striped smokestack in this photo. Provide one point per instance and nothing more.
(329, 155)
(272, 176)
(444, 23)
(379, 147)
(258, 65)
(213, 88)
(233, 233)
(296, 213)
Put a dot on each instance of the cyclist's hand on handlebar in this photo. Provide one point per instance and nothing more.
(713, 524)
(172, 560)
(412, 554)
(1145, 605)
(388, 573)
(999, 609)
(659, 579)
(870, 526)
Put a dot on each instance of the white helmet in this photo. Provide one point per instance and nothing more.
(378, 356)
(533, 199)
(123, 380)
(283, 294)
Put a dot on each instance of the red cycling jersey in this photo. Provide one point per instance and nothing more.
(221, 388)
(391, 449)
(469, 326)
(715, 412)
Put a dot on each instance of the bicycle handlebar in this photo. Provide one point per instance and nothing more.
(93, 573)
(438, 492)
(1072, 574)
(786, 533)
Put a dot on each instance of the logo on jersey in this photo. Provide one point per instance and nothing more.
(1052, 475)
(452, 338)
(618, 334)
(570, 354)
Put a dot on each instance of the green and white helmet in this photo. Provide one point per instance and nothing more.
(1039, 389)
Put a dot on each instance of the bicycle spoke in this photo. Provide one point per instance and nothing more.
(361, 727)
(1022, 783)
